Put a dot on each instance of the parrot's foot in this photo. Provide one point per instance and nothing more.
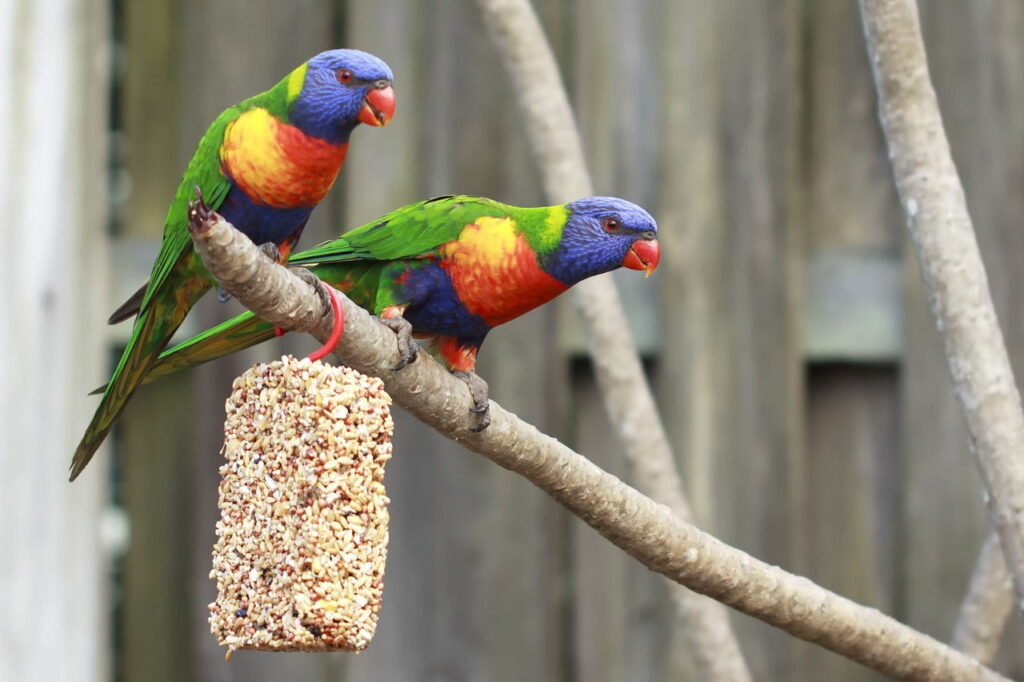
(408, 350)
(222, 295)
(199, 214)
(306, 276)
(271, 251)
(481, 402)
(336, 329)
(312, 280)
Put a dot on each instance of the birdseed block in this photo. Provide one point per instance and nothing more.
(303, 532)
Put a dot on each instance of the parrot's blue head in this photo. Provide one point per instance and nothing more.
(337, 90)
(602, 234)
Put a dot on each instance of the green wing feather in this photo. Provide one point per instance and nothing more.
(205, 172)
(408, 232)
(231, 336)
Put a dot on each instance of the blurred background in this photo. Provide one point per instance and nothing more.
(796, 366)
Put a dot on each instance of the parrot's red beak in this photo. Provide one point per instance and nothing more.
(379, 105)
(643, 255)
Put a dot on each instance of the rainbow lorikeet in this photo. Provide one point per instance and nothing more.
(263, 164)
(453, 268)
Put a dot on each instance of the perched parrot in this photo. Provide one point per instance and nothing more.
(453, 268)
(263, 164)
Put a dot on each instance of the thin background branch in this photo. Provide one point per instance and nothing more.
(951, 265)
(987, 605)
(555, 141)
(647, 531)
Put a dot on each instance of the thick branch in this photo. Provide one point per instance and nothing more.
(645, 530)
(951, 265)
(987, 606)
(555, 141)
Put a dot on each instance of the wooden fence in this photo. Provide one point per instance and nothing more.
(797, 368)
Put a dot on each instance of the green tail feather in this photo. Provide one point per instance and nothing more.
(135, 361)
(154, 327)
(228, 337)
(238, 333)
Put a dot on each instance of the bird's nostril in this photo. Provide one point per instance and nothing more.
(381, 84)
(648, 235)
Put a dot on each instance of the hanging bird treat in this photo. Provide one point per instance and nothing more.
(303, 533)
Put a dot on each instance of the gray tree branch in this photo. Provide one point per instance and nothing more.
(647, 531)
(987, 606)
(555, 141)
(951, 266)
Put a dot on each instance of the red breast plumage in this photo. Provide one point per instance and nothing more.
(276, 164)
(495, 271)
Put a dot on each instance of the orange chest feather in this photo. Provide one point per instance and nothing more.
(276, 164)
(495, 272)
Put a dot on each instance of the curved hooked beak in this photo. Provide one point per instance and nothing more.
(643, 255)
(379, 104)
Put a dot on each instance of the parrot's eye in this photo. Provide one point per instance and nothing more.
(612, 225)
(344, 75)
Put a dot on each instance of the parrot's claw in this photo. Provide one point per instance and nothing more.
(199, 214)
(306, 276)
(312, 280)
(481, 403)
(408, 350)
(271, 251)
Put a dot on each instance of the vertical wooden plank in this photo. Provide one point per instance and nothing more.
(849, 208)
(758, 143)
(52, 182)
(731, 374)
(853, 481)
(621, 624)
(150, 115)
(689, 210)
(618, 124)
(155, 625)
(600, 600)
(152, 472)
(386, 168)
(847, 184)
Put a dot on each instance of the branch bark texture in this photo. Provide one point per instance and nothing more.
(647, 531)
(987, 606)
(555, 142)
(951, 266)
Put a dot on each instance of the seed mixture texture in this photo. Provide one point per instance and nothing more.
(303, 533)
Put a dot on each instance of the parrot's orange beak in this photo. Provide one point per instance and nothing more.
(379, 105)
(643, 255)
